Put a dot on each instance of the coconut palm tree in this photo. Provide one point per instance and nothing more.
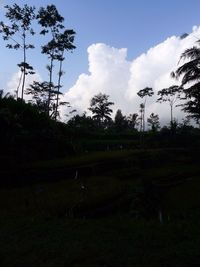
(100, 108)
(189, 72)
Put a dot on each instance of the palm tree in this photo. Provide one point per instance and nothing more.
(191, 69)
(189, 72)
(100, 108)
(4, 96)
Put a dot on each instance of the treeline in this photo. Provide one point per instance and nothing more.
(100, 132)
(26, 134)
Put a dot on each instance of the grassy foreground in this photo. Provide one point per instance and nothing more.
(102, 209)
(116, 241)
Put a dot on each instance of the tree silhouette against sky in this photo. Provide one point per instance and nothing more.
(16, 33)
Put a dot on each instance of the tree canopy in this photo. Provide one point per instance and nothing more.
(189, 73)
(100, 107)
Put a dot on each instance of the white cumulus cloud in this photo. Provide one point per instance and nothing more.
(110, 72)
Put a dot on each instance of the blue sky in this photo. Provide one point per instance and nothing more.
(136, 25)
(133, 24)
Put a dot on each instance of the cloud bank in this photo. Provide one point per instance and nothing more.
(110, 72)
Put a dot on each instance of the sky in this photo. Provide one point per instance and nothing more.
(122, 47)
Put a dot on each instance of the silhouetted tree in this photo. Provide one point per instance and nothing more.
(144, 93)
(17, 32)
(39, 92)
(141, 118)
(61, 40)
(51, 22)
(192, 105)
(153, 122)
(190, 74)
(40, 96)
(64, 43)
(133, 121)
(100, 108)
(82, 123)
(3, 95)
(120, 121)
(171, 95)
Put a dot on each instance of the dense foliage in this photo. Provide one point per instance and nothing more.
(27, 134)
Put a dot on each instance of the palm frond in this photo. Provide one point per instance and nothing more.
(191, 75)
(191, 53)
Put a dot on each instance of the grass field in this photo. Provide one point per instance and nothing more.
(116, 241)
(88, 218)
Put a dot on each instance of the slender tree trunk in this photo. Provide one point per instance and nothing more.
(51, 74)
(144, 114)
(20, 79)
(171, 113)
(50, 85)
(24, 66)
(141, 121)
(59, 86)
(141, 127)
(144, 119)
